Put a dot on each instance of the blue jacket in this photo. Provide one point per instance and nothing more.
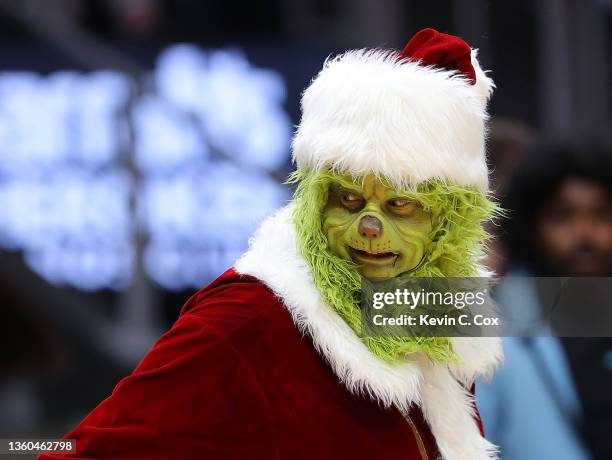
(529, 406)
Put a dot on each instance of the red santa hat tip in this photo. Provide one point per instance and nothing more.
(432, 48)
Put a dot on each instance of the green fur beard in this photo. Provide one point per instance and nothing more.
(458, 241)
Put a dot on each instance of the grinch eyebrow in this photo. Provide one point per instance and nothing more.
(399, 194)
(338, 182)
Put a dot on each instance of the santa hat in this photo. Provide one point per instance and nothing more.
(410, 117)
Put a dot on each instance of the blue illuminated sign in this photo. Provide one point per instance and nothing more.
(185, 158)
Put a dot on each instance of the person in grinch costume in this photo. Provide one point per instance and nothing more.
(269, 361)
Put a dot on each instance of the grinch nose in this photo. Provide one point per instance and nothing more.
(370, 227)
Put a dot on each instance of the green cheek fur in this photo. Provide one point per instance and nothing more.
(458, 242)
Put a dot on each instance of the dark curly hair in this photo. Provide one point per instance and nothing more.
(536, 180)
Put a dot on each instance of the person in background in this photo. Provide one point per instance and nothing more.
(553, 397)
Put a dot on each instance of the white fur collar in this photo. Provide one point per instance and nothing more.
(274, 259)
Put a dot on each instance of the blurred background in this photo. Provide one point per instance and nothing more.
(142, 141)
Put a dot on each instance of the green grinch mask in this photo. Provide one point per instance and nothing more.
(384, 232)
(439, 234)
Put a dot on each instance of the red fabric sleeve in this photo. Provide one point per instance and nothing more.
(476, 411)
(192, 397)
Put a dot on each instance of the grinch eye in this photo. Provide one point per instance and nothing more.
(402, 206)
(351, 200)
(398, 203)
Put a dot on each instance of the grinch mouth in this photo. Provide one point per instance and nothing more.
(382, 258)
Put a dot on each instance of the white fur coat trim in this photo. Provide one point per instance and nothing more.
(274, 259)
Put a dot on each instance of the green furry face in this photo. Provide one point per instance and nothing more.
(384, 232)
(456, 241)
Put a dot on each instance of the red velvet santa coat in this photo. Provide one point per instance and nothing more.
(258, 367)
